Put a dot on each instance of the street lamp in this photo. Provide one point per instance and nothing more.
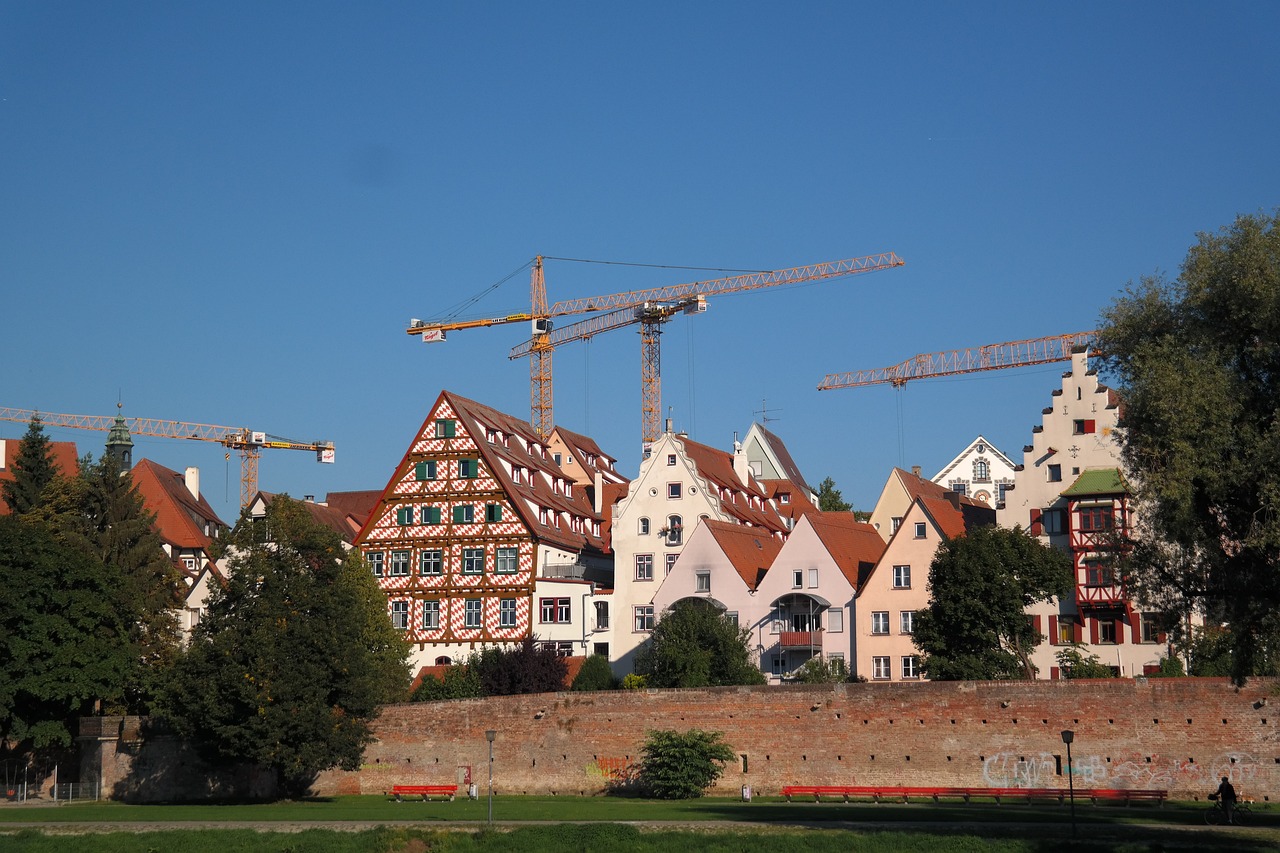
(489, 736)
(1067, 737)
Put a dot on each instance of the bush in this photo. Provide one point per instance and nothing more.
(1075, 664)
(632, 681)
(818, 670)
(458, 682)
(528, 668)
(682, 765)
(595, 675)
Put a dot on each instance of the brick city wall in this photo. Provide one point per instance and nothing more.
(1177, 734)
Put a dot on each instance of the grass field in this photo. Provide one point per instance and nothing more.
(616, 825)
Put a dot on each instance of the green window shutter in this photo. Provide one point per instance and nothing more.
(444, 428)
(404, 515)
(425, 470)
(431, 515)
(463, 514)
(493, 512)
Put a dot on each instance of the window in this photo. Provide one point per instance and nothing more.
(491, 436)
(431, 515)
(1097, 573)
(444, 428)
(920, 529)
(880, 621)
(444, 660)
(907, 622)
(472, 561)
(506, 612)
(468, 468)
(554, 610)
(1107, 631)
(375, 562)
(902, 577)
(960, 487)
(910, 666)
(732, 616)
(399, 563)
(425, 470)
(777, 664)
(835, 620)
(1066, 631)
(981, 471)
(644, 567)
(492, 512)
(797, 579)
(602, 615)
(465, 514)
(644, 618)
(673, 490)
(1001, 489)
(1052, 521)
(784, 498)
(1149, 628)
(506, 561)
(644, 527)
(400, 615)
(675, 530)
(518, 475)
(703, 582)
(813, 578)
(1097, 519)
(1055, 473)
(431, 615)
(1083, 427)
(671, 561)
(404, 515)
(555, 457)
(671, 460)
(880, 667)
(471, 609)
(431, 562)
(895, 524)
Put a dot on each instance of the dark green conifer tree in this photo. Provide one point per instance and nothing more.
(33, 469)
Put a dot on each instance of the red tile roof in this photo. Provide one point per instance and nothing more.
(573, 665)
(327, 516)
(751, 551)
(358, 505)
(64, 456)
(918, 486)
(796, 502)
(854, 545)
(746, 502)
(954, 520)
(181, 518)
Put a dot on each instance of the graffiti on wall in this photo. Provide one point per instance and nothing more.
(613, 769)
(1046, 770)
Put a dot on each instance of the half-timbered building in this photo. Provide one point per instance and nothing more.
(481, 537)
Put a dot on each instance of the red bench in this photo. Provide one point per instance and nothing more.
(426, 792)
(899, 793)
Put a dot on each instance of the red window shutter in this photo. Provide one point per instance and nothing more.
(1089, 426)
(1120, 626)
(1036, 527)
(1093, 631)
(1035, 624)
(1055, 673)
(1077, 631)
(1053, 630)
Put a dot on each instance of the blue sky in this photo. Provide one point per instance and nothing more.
(227, 213)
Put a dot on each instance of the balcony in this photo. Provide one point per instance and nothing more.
(1100, 595)
(800, 639)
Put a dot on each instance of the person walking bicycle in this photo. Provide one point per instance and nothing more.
(1227, 799)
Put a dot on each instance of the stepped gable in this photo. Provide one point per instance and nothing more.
(735, 497)
(750, 550)
(181, 517)
(854, 545)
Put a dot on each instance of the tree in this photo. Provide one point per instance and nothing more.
(529, 667)
(820, 670)
(1074, 663)
(294, 657)
(696, 645)
(33, 469)
(980, 585)
(595, 674)
(682, 765)
(1197, 362)
(830, 499)
(457, 682)
(64, 640)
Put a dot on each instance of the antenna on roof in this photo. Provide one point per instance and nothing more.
(764, 411)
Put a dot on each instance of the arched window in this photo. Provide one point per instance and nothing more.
(981, 470)
(675, 530)
(644, 527)
(444, 660)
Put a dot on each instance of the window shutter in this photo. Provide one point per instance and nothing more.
(1036, 527)
(1090, 426)
(1121, 624)
(1053, 630)
(1077, 630)
(420, 471)
(1035, 624)
(1093, 631)
(1054, 673)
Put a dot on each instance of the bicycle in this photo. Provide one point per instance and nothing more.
(1241, 814)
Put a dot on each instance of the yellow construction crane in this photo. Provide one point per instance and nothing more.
(959, 361)
(661, 302)
(249, 443)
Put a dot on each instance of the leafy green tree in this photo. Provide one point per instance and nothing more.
(458, 682)
(830, 499)
(595, 674)
(1074, 663)
(696, 645)
(64, 639)
(682, 765)
(980, 584)
(1196, 360)
(33, 469)
(294, 657)
(529, 667)
(1170, 667)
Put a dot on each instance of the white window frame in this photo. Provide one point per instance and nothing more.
(907, 622)
(644, 567)
(400, 615)
(881, 668)
(473, 561)
(702, 582)
(506, 561)
(431, 614)
(835, 620)
(400, 563)
(374, 559)
(643, 618)
(902, 577)
(910, 664)
(674, 490)
(879, 622)
(922, 530)
(431, 562)
(506, 612)
(473, 613)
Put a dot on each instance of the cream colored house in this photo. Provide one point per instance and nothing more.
(899, 492)
(980, 471)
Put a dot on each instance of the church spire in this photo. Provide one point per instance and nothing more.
(119, 444)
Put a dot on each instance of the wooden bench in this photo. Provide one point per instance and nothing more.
(899, 793)
(426, 792)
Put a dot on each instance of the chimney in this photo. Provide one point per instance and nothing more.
(309, 499)
(740, 463)
(953, 498)
(915, 469)
(192, 477)
(599, 495)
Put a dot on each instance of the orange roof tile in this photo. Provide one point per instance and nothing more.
(750, 550)
(358, 505)
(854, 545)
(326, 516)
(181, 518)
(736, 498)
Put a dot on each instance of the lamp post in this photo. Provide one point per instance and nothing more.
(489, 736)
(1067, 737)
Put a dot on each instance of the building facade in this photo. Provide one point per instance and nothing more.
(980, 471)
